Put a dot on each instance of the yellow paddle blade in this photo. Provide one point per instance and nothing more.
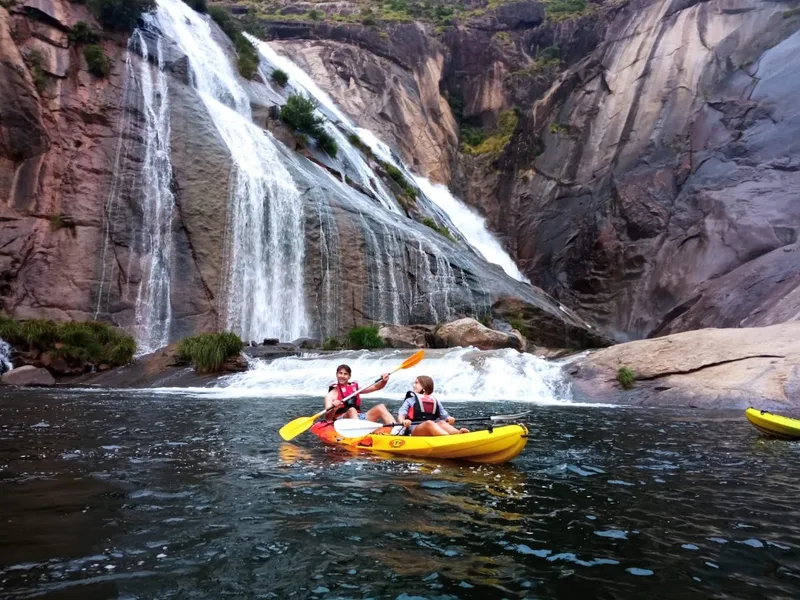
(294, 428)
(412, 360)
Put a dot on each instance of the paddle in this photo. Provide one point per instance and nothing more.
(358, 428)
(301, 424)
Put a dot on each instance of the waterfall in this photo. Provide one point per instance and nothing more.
(471, 227)
(265, 295)
(145, 95)
(459, 374)
(5, 356)
(153, 307)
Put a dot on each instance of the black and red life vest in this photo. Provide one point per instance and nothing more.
(344, 391)
(425, 408)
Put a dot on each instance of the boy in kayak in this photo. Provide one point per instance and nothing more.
(435, 418)
(351, 409)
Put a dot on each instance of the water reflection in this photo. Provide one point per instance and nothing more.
(107, 495)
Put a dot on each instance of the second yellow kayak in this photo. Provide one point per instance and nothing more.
(774, 425)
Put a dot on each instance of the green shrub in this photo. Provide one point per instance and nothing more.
(365, 337)
(331, 344)
(518, 322)
(560, 10)
(82, 33)
(96, 61)
(472, 136)
(298, 113)
(90, 341)
(35, 59)
(359, 143)
(315, 15)
(501, 136)
(626, 378)
(248, 55)
(327, 144)
(486, 320)
(280, 77)
(792, 12)
(557, 128)
(209, 351)
(198, 5)
(397, 175)
(441, 230)
(120, 15)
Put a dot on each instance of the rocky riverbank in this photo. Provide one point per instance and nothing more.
(708, 368)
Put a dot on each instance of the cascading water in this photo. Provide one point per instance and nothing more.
(5, 356)
(458, 373)
(145, 94)
(265, 284)
(470, 225)
(153, 307)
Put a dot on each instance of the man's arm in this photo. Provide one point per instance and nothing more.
(376, 386)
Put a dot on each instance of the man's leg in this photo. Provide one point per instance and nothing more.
(380, 412)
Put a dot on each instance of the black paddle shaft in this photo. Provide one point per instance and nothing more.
(473, 419)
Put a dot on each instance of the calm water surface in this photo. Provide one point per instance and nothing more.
(131, 495)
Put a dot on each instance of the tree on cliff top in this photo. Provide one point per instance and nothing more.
(120, 15)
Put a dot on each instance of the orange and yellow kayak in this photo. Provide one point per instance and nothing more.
(496, 445)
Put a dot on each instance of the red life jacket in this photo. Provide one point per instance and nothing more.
(424, 409)
(344, 391)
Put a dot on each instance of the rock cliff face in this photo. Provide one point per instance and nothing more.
(650, 179)
(81, 160)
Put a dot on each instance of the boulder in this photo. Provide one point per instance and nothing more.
(28, 375)
(235, 364)
(469, 332)
(710, 368)
(306, 343)
(406, 336)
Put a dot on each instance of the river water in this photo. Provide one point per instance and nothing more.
(123, 494)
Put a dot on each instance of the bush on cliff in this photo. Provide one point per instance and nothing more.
(298, 113)
(209, 351)
(280, 77)
(96, 61)
(82, 33)
(91, 341)
(248, 55)
(364, 337)
(120, 15)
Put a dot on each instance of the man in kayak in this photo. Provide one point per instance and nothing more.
(335, 408)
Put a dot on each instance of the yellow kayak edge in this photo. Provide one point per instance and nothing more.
(492, 446)
(772, 425)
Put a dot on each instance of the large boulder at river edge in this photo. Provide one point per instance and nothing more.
(469, 332)
(407, 336)
(709, 368)
(28, 375)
